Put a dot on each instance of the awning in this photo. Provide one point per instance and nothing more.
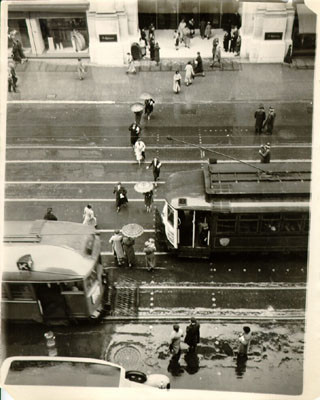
(307, 19)
(56, 6)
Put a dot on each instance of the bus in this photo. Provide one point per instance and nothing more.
(232, 207)
(51, 272)
(59, 377)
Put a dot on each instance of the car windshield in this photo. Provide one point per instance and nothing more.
(62, 373)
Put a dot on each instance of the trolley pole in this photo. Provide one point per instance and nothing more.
(216, 152)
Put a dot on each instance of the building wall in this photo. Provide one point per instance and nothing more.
(259, 19)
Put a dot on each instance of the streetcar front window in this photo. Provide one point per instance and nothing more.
(170, 216)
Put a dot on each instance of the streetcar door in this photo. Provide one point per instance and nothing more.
(171, 225)
(202, 229)
(52, 302)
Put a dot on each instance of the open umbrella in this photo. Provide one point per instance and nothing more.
(145, 96)
(132, 230)
(136, 107)
(143, 187)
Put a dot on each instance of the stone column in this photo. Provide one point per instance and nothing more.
(131, 8)
(289, 27)
(35, 35)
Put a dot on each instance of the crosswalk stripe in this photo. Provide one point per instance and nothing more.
(74, 182)
(76, 200)
(112, 230)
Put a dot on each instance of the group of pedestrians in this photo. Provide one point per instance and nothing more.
(17, 57)
(192, 339)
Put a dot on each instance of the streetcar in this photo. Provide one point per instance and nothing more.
(229, 207)
(51, 272)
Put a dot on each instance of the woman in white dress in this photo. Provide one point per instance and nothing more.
(177, 82)
(189, 74)
(131, 68)
(88, 216)
(139, 151)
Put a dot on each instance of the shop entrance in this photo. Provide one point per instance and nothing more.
(166, 14)
(304, 32)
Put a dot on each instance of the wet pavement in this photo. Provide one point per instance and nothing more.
(275, 358)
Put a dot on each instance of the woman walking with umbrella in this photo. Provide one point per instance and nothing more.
(117, 247)
(137, 109)
(148, 107)
(128, 243)
(146, 188)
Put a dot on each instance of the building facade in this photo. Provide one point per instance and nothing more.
(104, 30)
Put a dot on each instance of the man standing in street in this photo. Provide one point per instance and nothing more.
(269, 122)
(198, 69)
(192, 334)
(49, 215)
(244, 341)
(260, 116)
(121, 196)
(156, 165)
(265, 153)
(175, 340)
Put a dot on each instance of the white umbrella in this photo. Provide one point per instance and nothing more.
(143, 187)
(132, 230)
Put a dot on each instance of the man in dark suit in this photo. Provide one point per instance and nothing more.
(260, 116)
(121, 195)
(192, 334)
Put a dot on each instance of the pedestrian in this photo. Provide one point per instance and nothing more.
(215, 45)
(121, 196)
(186, 37)
(207, 32)
(156, 165)
(176, 37)
(81, 69)
(148, 199)
(198, 69)
(11, 81)
(244, 342)
(269, 122)
(151, 32)
(157, 53)
(175, 342)
(138, 116)
(234, 37)
(238, 46)
(177, 82)
(116, 241)
(202, 28)
(148, 107)
(265, 153)
(49, 215)
(17, 54)
(189, 74)
(226, 40)
(191, 26)
(288, 57)
(139, 151)
(260, 116)
(88, 216)
(131, 68)
(192, 334)
(144, 36)
(149, 250)
(135, 131)
(181, 28)
(128, 243)
(152, 45)
(142, 45)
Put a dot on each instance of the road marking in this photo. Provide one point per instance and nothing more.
(137, 253)
(146, 163)
(112, 230)
(249, 101)
(209, 146)
(76, 200)
(74, 182)
(164, 287)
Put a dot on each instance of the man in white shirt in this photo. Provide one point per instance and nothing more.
(175, 340)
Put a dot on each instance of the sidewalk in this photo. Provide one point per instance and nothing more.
(57, 80)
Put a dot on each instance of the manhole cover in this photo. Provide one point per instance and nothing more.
(128, 357)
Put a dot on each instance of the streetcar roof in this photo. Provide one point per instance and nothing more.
(188, 190)
(58, 250)
(230, 179)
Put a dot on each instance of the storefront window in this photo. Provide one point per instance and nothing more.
(65, 34)
(19, 26)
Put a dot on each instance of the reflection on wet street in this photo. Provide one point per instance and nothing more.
(274, 363)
